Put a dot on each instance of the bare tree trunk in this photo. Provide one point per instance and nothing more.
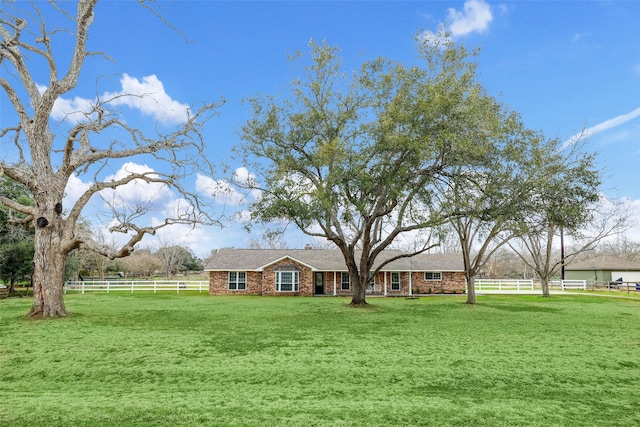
(359, 293)
(545, 287)
(359, 281)
(471, 290)
(48, 276)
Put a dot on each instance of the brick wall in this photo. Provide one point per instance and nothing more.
(452, 282)
(269, 278)
(219, 284)
(378, 284)
(264, 283)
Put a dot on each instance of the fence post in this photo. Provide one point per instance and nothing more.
(155, 286)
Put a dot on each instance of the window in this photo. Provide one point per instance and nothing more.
(287, 281)
(432, 275)
(345, 282)
(395, 281)
(237, 280)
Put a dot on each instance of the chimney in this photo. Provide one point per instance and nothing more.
(308, 246)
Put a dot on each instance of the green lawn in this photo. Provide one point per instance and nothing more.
(166, 359)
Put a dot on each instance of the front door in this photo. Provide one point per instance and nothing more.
(318, 281)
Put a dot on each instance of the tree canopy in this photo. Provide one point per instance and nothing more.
(362, 159)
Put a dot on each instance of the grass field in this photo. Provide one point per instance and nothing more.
(166, 359)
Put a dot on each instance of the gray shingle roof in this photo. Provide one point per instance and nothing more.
(326, 260)
(605, 262)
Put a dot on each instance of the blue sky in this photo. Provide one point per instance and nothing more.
(566, 66)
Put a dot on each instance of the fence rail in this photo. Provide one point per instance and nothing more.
(503, 285)
(622, 286)
(573, 284)
(83, 286)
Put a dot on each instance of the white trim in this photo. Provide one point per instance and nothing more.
(341, 281)
(237, 282)
(432, 280)
(295, 281)
(287, 257)
(399, 281)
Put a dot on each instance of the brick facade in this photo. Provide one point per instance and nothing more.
(263, 283)
(219, 283)
(451, 283)
(305, 286)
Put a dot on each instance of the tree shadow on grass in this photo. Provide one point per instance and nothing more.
(532, 308)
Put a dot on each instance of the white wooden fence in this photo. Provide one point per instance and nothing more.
(495, 285)
(573, 284)
(135, 285)
(503, 285)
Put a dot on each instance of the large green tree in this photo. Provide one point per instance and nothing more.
(496, 189)
(47, 159)
(16, 241)
(565, 202)
(15, 262)
(359, 158)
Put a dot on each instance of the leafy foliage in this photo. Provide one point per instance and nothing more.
(361, 160)
(16, 240)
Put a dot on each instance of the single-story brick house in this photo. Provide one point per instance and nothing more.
(323, 272)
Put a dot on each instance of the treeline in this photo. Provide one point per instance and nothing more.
(168, 261)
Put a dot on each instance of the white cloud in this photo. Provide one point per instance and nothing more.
(218, 190)
(147, 96)
(475, 17)
(600, 127)
(198, 238)
(223, 193)
(74, 110)
(439, 39)
(243, 177)
(179, 207)
(74, 189)
(137, 193)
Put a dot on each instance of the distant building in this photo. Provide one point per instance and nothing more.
(604, 269)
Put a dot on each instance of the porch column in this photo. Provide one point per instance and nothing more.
(335, 278)
(385, 283)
